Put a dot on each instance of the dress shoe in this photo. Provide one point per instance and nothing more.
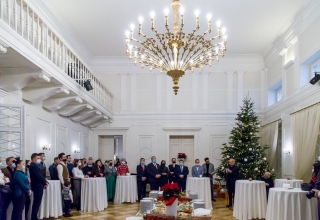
(214, 200)
(228, 206)
(68, 215)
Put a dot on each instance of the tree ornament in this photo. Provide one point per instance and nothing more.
(228, 156)
(245, 159)
(256, 169)
(250, 149)
(264, 158)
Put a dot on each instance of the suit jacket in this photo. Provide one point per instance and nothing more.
(8, 172)
(172, 169)
(38, 181)
(184, 172)
(195, 172)
(210, 171)
(152, 172)
(43, 169)
(231, 178)
(141, 173)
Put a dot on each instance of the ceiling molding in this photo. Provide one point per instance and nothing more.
(182, 129)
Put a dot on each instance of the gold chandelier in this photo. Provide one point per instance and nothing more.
(176, 52)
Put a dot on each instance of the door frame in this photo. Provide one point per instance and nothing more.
(181, 131)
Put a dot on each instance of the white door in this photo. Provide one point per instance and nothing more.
(106, 148)
(182, 144)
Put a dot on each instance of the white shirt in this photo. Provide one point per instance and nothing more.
(77, 174)
(60, 171)
(2, 182)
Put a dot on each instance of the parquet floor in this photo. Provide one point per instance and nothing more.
(120, 212)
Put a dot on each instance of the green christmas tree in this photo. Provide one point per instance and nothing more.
(244, 145)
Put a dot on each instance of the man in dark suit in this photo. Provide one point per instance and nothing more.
(42, 165)
(172, 168)
(38, 183)
(153, 170)
(232, 173)
(8, 173)
(181, 173)
(142, 179)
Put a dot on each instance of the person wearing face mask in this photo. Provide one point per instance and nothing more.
(8, 173)
(38, 183)
(172, 168)
(181, 173)
(142, 179)
(28, 201)
(43, 165)
(123, 169)
(164, 173)
(111, 173)
(69, 165)
(154, 175)
(77, 176)
(197, 169)
(268, 181)
(87, 170)
(117, 163)
(53, 169)
(21, 189)
(63, 173)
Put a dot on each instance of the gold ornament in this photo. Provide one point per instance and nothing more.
(259, 171)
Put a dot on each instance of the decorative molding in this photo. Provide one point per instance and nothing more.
(195, 77)
(123, 92)
(169, 95)
(230, 90)
(288, 64)
(181, 129)
(205, 91)
(133, 92)
(240, 88)
(159, 91)
(123, 129)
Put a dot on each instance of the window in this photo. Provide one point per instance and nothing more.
(315, 67)
(279, 94)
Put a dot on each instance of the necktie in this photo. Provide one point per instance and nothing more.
(155, 165)
(142, 168)
(181, 169)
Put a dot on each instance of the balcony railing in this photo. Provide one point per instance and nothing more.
(23, 20)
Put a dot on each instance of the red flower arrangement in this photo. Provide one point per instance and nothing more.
(171, 191)
(182, 156)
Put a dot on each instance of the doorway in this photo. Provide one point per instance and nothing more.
(182, 144)
(110, 147)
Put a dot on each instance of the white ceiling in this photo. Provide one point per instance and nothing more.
(252, 25)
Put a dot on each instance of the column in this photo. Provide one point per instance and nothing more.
(205, 91)
(240, 88)
(284, 73)
(195, 77)
(133, 92)
(159, 91)
(169, 94)
(263, 86)
(230, 90)
(123, 80)
(296, 67)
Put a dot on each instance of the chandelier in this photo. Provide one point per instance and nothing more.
(175, 52)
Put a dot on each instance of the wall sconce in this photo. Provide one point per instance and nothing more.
(46, 147)
(77, 151)
(286, 151)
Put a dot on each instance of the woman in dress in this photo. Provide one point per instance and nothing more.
(117, 163)
(21, 190)
(164, 171)
(77, 176)
(98, 170)
(111, 174)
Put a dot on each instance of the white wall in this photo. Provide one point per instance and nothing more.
(44, 127)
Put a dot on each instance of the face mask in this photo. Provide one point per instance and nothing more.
(123, 162)
(312, 170)
(0, 163)
(90, 165)
(38, 161)
(181, 164)
(110, 164)
(43, 158)
(23, 167)
(173, 161)
(154, 161)
(163, 164)
(142, 162)
(28, 166)
(79, 164)
(319, 158)
(197, 164)
(14, 165)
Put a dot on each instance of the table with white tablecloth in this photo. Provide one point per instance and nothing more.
(278, 183)
(94, 196)
(126, 189)
(202, 187)
(288, 204)
(250, 200)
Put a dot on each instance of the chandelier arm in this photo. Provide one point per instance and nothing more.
(149, 52)
(163, 43)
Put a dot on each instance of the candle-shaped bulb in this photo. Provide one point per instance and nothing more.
(130, 47)
(181, 62)
(225, 38)
(135, 53)
(132, 26)
(140, 20)
(142, 56)
(218, 24)
(197, 13)
(181, 11)
(152, 14)
(209, 17)
(223, 30)
(191, 61)
(166, 12)
(172, 63)
(127, 34)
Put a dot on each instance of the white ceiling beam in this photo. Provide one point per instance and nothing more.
(97, 123)
(54, 104)
(73, 109)
(82, 115)
(93, 119)
(35, 95)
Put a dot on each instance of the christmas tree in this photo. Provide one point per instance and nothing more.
(244, 145)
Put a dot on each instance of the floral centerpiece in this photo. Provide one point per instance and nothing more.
(171, 191)
(182, 156)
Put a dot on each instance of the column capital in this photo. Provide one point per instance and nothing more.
(133, 74)
(240, 72)
(230, 72)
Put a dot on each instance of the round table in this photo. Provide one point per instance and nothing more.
(278, 183)
(250, 200)
(126, 189)
(288, 204)
(94, 196)
(202, 187)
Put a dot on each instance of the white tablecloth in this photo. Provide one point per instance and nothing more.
(94, 194)
(202, 187)
(278, 183)
(250, 200)
(289, 204)
(126, 189)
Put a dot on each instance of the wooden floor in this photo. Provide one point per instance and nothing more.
(120, 212)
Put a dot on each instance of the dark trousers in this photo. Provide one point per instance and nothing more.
(27, 206)
(154, 185)
(7, 198)
(182, 186)
(231, 189)
(18, 206)
(211, 187)
(37, 198)
(141, 189)
(67, 204)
